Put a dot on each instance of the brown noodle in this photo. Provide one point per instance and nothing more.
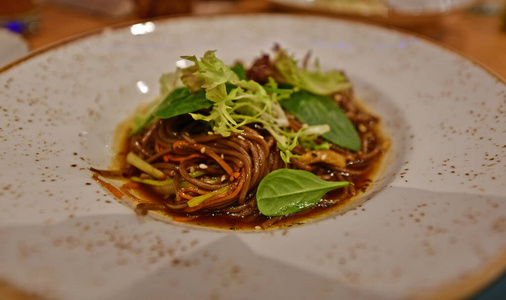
(181, 146)
(228, 170)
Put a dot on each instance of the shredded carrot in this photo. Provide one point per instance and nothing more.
(158, 148)
(185, 196)
(205, 150)
(125, 189)
(220, 161)
(117, 193)
(185, 218)
(234, 193)
(169, 157)
(132, 185)
(179, 143)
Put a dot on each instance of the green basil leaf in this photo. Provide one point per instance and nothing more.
(142, 119)
(286, 191)
(319, 110)
(240, 71)
(181, 101)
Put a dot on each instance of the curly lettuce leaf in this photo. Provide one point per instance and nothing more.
(234, 102)
(209, 73)
(237, 102)
(169, 82)
(317, 82)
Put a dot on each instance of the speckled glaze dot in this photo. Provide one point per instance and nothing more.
(435, 219)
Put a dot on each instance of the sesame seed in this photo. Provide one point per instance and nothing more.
(203, 166)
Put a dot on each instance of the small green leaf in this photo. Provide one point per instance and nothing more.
(142, 118)
(286, 191)
(316, 82)
(208, 73)
(181, 101)
(240, 71)
(314, 109)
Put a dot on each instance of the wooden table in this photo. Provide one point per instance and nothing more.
(477, 36)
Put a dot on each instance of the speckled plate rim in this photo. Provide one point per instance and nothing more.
(489, 272)
(373, 23)
(15, 46)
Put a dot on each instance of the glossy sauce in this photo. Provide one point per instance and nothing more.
(222, 221)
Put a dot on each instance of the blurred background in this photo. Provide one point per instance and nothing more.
(475, 28)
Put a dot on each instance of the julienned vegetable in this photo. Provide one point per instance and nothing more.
(199, 199)
(236, 102)
(250, 143)
(144, 166)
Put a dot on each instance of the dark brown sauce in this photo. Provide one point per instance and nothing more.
(223, 221)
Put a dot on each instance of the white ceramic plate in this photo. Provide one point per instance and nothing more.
(12, 47)
(436, 226)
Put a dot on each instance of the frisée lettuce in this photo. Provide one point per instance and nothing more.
(218, 94)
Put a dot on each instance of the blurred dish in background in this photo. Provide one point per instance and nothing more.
(12, 47)
(423, 7)
(155, 8)
(122, 8)
(345, 7)
(397, 12)
(108, 8)
(19, 16)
